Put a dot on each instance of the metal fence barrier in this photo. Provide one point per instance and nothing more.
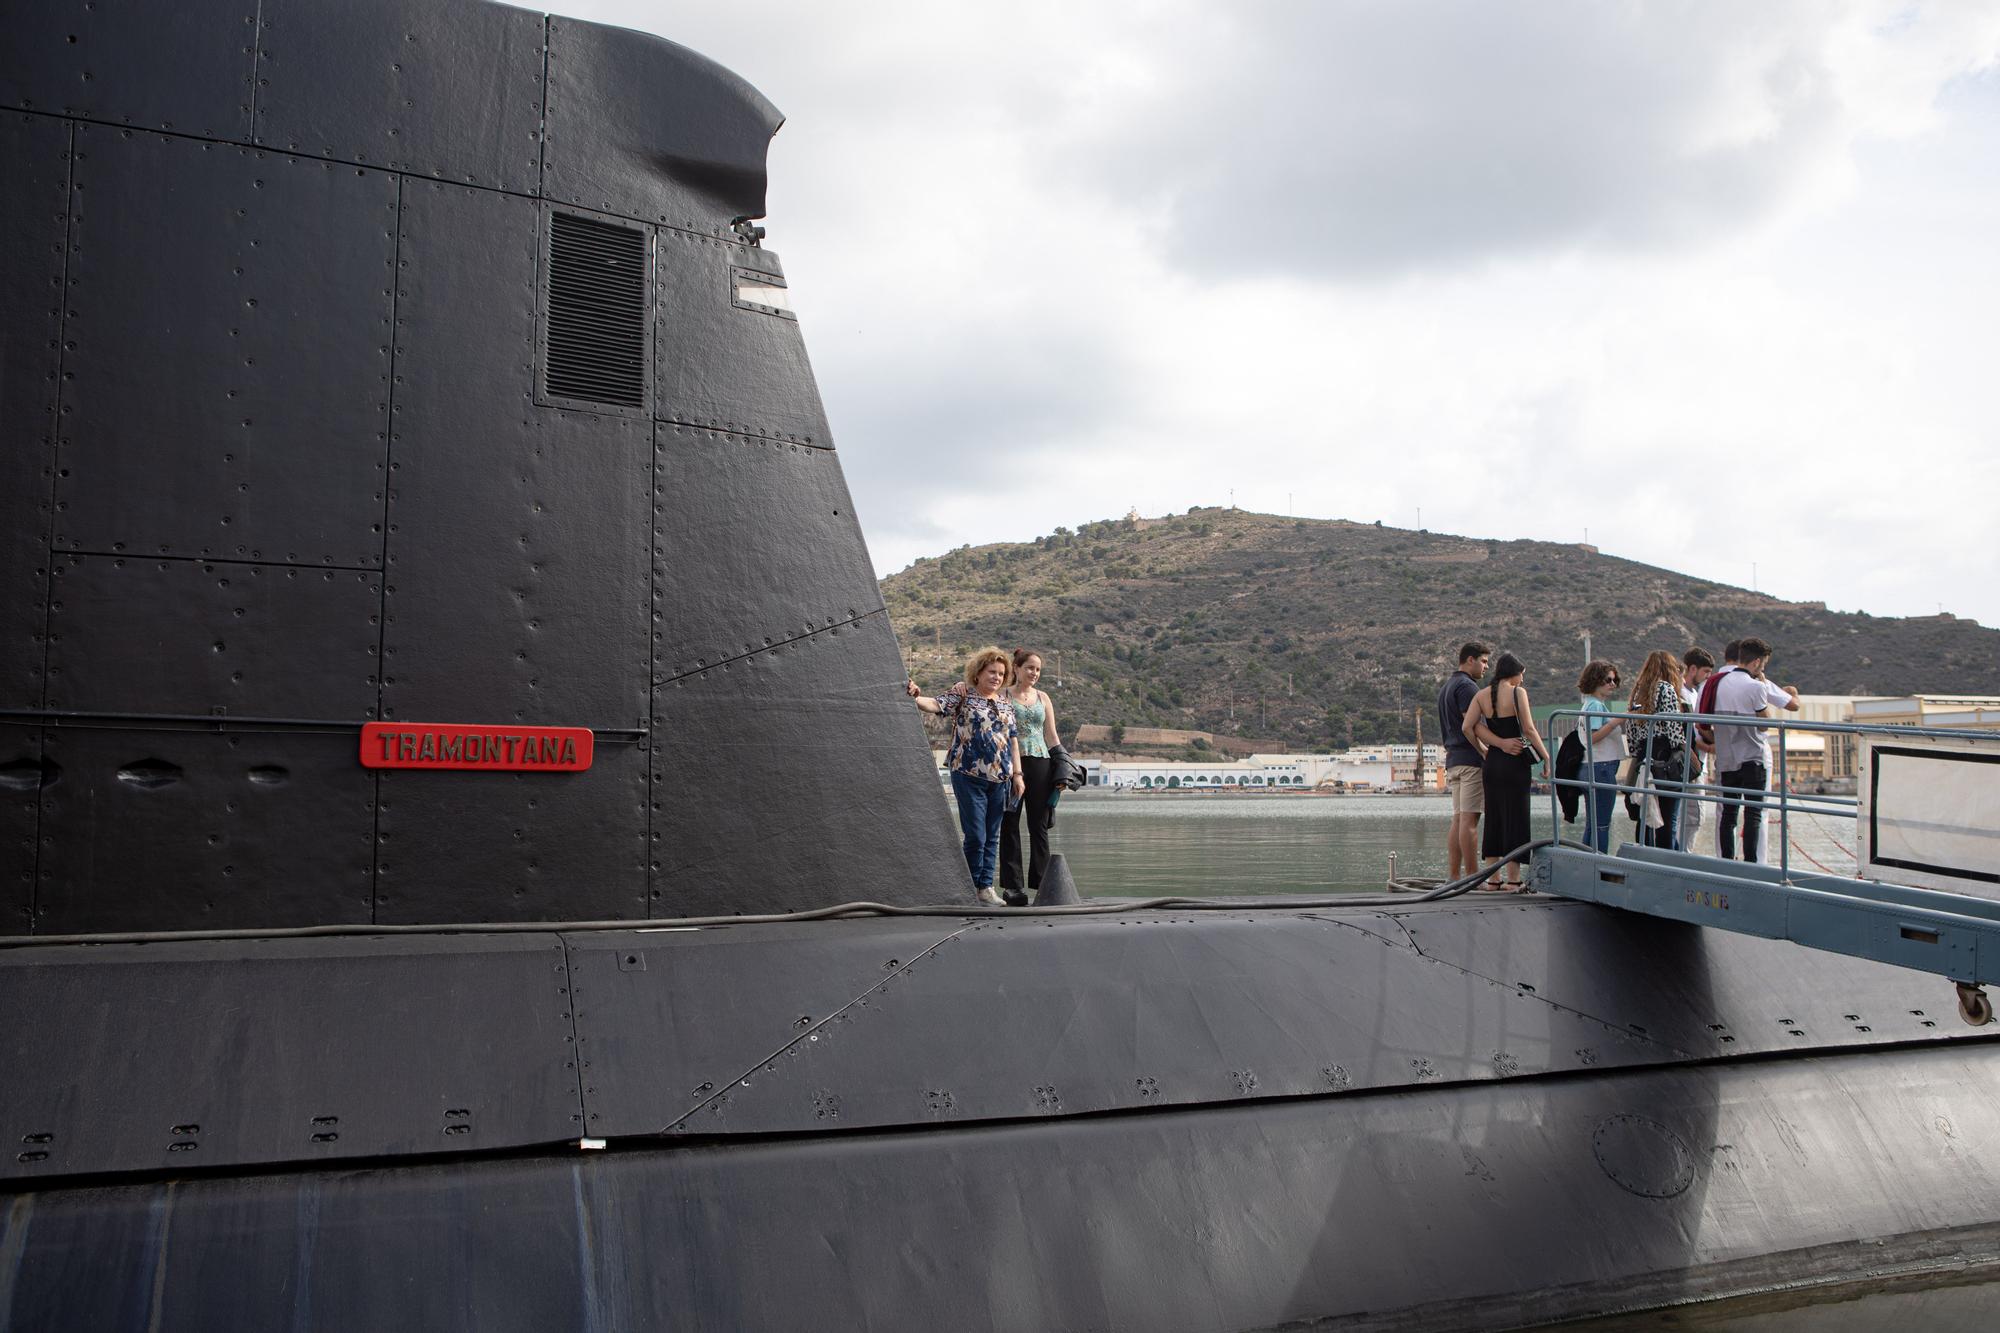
(1776, 798)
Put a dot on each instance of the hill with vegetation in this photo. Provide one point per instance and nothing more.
(1322, 633)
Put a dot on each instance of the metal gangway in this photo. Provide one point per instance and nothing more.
(1925, 890)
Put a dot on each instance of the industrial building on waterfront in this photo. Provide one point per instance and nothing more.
(1363, 768)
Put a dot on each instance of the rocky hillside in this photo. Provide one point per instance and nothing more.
(1320, 632)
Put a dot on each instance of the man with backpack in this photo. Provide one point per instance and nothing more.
(1705, 702)
(1743, 754)
(1705, 696)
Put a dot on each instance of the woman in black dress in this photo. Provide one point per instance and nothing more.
(1500, 723)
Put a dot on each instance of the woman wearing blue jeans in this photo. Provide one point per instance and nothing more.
(984, 760)
(1598, 683)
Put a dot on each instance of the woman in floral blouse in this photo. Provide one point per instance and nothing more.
(985, 759)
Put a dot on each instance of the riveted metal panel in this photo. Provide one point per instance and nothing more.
(472, 846)
(196, 1055)
(647, 129)
(1155, 1011)
(1706, 992)
(446, 88)
(798, 776)
(244, 297)
(34, 212)
(725, 364)
(670, 1022)
(23, 774)
(183, 830)
(183, 66)
(518, 542)
(248, 640)
(731, 587)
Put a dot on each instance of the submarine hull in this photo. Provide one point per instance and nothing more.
(1447, 1116)
(376, 375)
(1465, 1207)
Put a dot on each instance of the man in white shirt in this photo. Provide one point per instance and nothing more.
(1743, 754)
(1696, 667)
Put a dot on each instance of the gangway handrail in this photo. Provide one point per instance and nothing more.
(1953, 935)
(1825, 803)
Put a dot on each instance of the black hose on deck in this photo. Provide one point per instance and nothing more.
(840, 911)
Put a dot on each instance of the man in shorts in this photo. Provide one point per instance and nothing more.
(1462, 758)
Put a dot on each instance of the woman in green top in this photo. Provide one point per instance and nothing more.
(1595, 686)
(1036, 715)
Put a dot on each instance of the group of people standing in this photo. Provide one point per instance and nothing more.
(1003, 735)
(1653, 750)
(1663, 752)
(1651, 754)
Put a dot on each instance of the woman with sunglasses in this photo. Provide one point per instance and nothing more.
(1597, 684)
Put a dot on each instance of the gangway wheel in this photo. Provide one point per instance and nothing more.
(1975, 1006)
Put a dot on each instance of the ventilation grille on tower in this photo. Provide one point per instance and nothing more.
(596, 312)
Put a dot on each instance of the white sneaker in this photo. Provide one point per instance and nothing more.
(990, 898)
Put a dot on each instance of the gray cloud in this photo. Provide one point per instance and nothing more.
(1514, 244)
(1379, 137)
(958, 406)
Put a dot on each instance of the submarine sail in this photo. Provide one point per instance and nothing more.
(401, 362)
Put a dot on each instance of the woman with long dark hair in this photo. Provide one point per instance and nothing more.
(1036, 714)
(1661, 747)
(1500, 722)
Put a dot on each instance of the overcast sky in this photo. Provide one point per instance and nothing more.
(1497, 260)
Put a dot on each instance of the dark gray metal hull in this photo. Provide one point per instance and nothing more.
(1444, 1117)
(1468, 1207)
(387, 361)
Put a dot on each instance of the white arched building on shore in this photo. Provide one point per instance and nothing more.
(1366, 768)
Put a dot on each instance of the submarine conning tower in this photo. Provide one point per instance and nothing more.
(388, 390)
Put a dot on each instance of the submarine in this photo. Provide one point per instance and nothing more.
(469, 864)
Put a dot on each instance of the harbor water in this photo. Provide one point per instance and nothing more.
(1131, 844)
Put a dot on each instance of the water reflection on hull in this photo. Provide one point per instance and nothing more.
(1939, 1296)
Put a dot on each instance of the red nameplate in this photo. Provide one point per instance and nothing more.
(456, 745)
